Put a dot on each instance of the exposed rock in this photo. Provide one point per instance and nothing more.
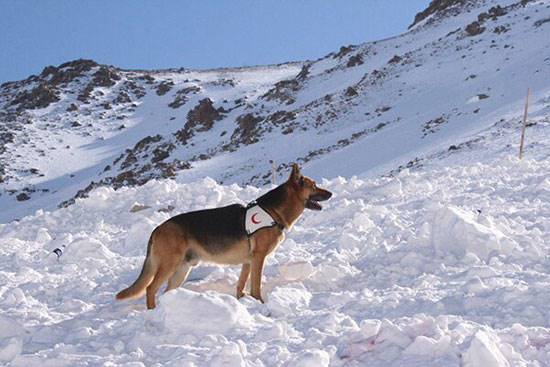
(540, 22)
(439, 8)
(86, 93)
(182, 96)
(147, 78)
(144, 143)
(22, 197)
(304, 72)
(355, 60)
(138, 207)
(281, 117)
(67, 72)
(475, 28)
(433, 125)
(105, 77)
(164, 87)
(501, 29)
(134, 88)
(223, 82)
(200, 118)
(282, 91)
(497, 11)
(382, 109)
(39, 97)
(168, 209)
(350, 92)
(162, 152)
(396, 59)
(72, 107)
(122, 98)
(203, 115)
(344, 50)
(247, 132)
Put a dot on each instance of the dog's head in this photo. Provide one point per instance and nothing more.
(307, 190)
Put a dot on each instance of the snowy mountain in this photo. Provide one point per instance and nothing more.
(443, 264)
(366, 108)
(433, 251)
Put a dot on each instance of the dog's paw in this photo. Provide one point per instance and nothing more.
(241, 294)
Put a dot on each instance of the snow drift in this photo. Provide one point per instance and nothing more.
(441, 265)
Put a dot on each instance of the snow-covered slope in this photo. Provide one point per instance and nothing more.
(441, 264)
(370, 107)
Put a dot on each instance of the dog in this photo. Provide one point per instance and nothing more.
(219, 236)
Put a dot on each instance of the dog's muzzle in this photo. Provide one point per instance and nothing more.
(313, 201)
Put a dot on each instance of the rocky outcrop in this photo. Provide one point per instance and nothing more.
(67, 72)
(439, 8)
(182, 96)
(247, 131)
(283, 91)
(39, 97)
(200, 118)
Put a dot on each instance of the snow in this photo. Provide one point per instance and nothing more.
(443, 264)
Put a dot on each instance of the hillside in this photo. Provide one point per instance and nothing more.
(442, 264)
(365, 109)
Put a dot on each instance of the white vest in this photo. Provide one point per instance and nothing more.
(256, 218)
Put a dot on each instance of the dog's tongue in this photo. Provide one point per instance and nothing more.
(313, 205)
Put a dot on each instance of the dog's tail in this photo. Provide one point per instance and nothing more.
(145, 277)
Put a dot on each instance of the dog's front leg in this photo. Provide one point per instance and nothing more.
(245, 272)
(256, 276)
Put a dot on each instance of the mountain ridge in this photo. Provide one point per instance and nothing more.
(82, 124)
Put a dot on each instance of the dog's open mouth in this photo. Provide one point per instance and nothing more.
(313, 201)
(313, 205)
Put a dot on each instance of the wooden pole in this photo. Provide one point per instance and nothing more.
(524, 123)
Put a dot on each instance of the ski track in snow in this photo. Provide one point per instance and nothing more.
(445, 264)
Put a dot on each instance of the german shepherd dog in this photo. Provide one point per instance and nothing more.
(219, 236)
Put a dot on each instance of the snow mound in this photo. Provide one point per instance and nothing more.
(286, 300)
(11, 343)
(186, 311)
(460, 232)
(484, 351)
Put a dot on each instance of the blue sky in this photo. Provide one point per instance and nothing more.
(193, 34)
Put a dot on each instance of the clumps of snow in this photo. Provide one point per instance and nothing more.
(484, 351)
(11, 343)
(458, 231)
(296, 271)
(446, 267)
(189, 312)
(288, 300)
(312, 358)
(86, 249)
(426, 346)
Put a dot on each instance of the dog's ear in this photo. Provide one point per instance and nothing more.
(295, 175)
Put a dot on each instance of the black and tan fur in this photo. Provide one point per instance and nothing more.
(218, 236)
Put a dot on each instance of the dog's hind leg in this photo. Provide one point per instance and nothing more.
(161, 276)
(179, 276)
(241, 284)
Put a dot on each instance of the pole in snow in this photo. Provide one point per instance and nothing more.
(524, 123)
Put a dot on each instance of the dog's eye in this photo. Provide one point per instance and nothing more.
(302, 181)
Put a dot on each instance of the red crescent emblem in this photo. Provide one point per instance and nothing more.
(254, 220)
